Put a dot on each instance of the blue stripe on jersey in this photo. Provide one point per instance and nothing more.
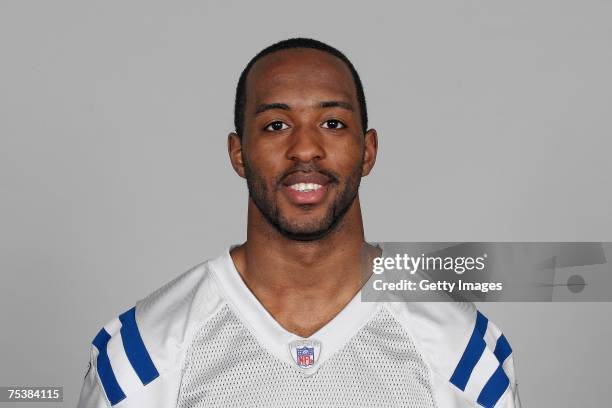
(502, 349)
(113, 391)
(472, 353)
(494, 388)
(135, 349)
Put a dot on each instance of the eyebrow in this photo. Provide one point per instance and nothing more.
(326, 104)
(268, 106)
(336, 104)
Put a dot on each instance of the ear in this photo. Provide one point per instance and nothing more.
(371, 149)
(234, 149)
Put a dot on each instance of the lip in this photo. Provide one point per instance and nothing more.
(306, 177)
(313, 197)
(306, 197)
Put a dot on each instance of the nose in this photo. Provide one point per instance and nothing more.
(305, 145)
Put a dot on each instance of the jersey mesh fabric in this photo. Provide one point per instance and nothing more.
(379, 367)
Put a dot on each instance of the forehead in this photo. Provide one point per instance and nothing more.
(296, 73)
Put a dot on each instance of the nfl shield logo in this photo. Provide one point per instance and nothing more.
(305, 356)
(305, 353)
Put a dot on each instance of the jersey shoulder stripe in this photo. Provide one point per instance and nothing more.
(112, 389)
(502, 349)
(472, 353)
(132, 348)
(494, 388)
(135, 349)
(484, 363)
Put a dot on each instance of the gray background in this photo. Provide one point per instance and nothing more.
(114, 174)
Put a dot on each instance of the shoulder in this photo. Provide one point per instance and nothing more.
(141, 350)
(468, 354)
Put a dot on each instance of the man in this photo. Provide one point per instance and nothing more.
(278, 320)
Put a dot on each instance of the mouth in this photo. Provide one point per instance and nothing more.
(306, 188)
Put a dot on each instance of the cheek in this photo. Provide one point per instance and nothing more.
(346, 157)
(264, 164)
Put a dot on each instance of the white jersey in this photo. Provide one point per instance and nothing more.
(204, 340)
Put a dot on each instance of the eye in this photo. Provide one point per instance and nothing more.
(276, 126)
(333, 124)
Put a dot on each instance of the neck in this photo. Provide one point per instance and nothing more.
(289, 276)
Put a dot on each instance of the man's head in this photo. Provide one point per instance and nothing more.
(301, 139)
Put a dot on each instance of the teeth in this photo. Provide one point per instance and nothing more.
(305, 187)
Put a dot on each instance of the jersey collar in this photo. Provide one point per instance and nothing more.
(271, 335)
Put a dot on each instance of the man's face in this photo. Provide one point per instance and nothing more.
(303, 145)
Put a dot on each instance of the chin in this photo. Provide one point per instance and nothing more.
(310, 230)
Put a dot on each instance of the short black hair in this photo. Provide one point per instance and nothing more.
(291, 43)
